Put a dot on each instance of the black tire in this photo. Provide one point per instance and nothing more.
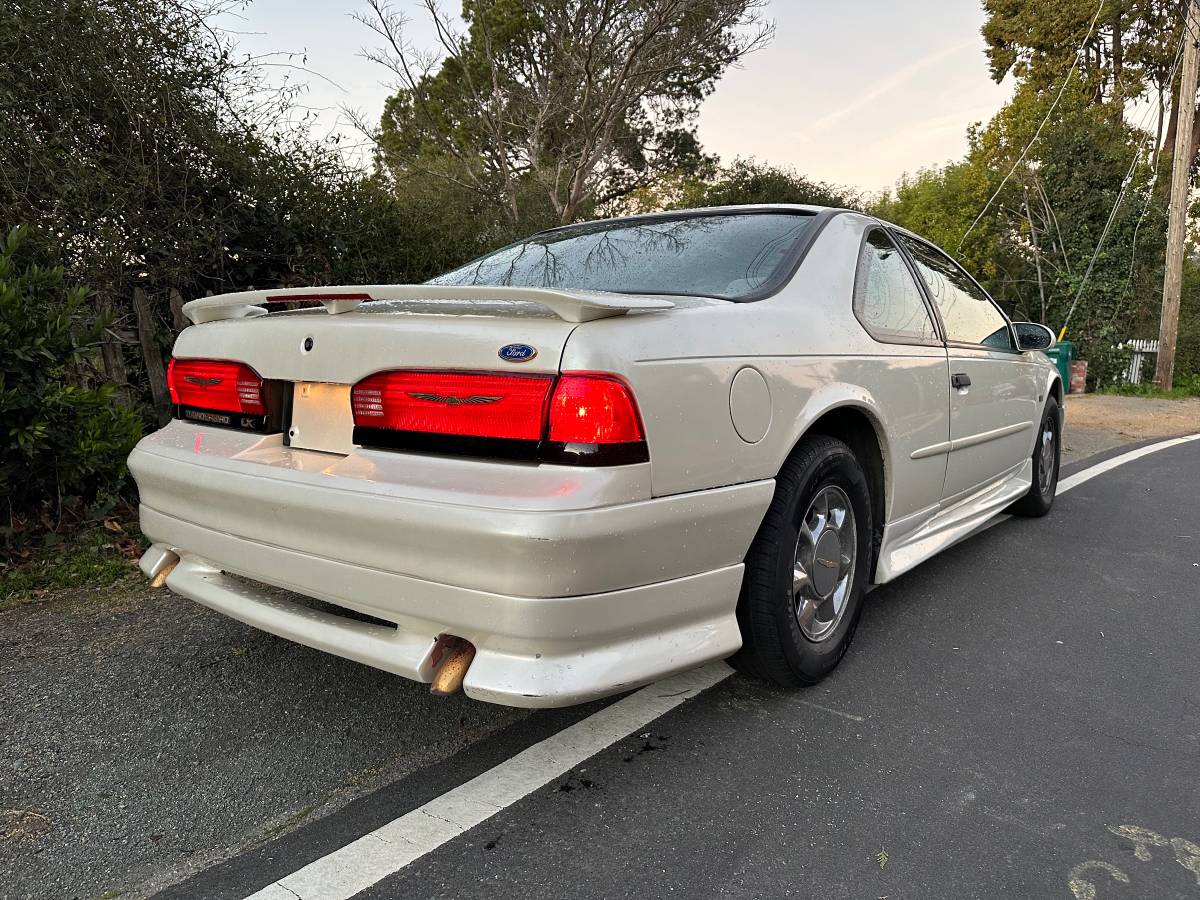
(774, 647)
(1045, 466)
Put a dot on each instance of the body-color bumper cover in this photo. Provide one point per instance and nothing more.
(562, 605)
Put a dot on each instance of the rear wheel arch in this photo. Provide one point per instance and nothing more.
(861, 431)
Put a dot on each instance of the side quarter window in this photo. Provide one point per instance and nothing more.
(887, 300)
(968, 314)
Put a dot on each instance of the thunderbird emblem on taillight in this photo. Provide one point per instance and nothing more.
(200, 381)
(450, 400)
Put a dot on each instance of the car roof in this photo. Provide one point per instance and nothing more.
(806, 209)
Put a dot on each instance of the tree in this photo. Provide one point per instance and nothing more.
(744, 181)
(1187, 352)
(1059, 239)
(547, 107)
(64, 441)
(1105, 225)
(155, 165)
(1130, 53)
(940, 204)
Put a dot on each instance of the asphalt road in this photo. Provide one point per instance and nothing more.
(1011, 712)
(156, 736)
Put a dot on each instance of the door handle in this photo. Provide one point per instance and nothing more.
(960, 380)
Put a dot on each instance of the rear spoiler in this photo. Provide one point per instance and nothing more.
(570, 306)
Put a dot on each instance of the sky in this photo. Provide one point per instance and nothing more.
(855, 92)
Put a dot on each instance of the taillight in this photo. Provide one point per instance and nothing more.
(593, 409)
(504, 407)
(216, 384)
(580, 418)
(221, 392)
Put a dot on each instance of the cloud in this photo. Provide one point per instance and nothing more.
(893, 81)
(929, 142)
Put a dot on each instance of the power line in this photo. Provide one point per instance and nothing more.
(1153, 167)
(1125, 184)
(1153, 159)
(1053, 106)
(1112, 217)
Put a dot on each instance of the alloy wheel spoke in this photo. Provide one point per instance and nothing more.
(837, 517)
(808, 537)
(806, 611)
(814, 526)
(839, 595)
(821, 504)
(799, 579)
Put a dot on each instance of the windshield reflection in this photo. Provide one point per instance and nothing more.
(726, 256)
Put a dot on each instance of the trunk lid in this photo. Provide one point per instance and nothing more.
(320, 353)
(309, 345)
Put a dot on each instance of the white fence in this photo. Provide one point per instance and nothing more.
(1141, 350)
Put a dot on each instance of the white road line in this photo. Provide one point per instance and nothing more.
(1074, 481)
(384, 851)
(1100, 468)
(374, 856)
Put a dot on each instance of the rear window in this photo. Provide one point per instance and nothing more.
(725, 256)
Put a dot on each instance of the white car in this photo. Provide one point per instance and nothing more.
(607, 453)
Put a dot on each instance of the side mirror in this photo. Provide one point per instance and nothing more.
(1032, 336)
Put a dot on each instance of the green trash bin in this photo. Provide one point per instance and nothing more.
(1063, 353)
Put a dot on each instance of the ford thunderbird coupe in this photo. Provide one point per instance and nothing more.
(601, 455)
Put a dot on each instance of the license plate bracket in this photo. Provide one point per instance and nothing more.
(322, 418)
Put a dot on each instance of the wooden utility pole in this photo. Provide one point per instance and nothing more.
(1181, 165)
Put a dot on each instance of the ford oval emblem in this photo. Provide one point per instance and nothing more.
(517, 353)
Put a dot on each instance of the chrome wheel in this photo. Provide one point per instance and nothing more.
(823, 573)
(1047, 458)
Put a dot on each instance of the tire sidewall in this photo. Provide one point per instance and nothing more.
(1053, 415)
(1050, 415)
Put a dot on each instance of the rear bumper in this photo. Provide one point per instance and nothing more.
(563, 605)
(529, 652)
(524, 530)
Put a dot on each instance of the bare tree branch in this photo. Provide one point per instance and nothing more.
(570, 101)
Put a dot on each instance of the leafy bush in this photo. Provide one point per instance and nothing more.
(63, 437)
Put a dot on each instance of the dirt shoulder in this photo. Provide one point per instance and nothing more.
(1097, 422)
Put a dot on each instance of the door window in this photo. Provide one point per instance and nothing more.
(886, 299)
(968, 314)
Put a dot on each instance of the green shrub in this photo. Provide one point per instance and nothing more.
(1185, 386)
(91, 557)
(63, 436)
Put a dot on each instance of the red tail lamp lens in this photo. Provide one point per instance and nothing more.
(230, 387)
(593, 409)
(472, 405)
